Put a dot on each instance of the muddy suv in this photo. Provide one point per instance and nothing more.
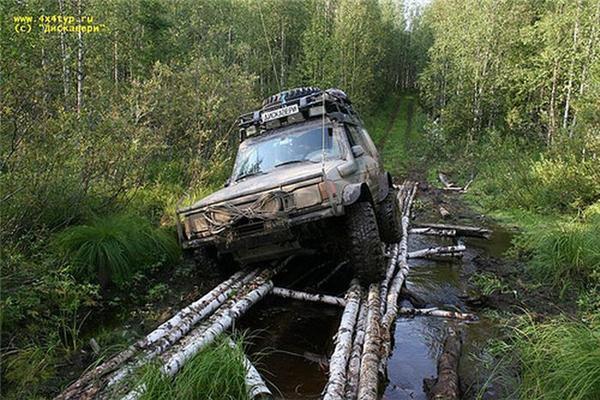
(306, 175)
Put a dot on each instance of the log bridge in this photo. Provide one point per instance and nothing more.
(362, 345)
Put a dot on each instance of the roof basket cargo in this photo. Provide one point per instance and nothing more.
(293, 106)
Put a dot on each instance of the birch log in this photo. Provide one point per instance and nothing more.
(461, 230)
(184, 325)
(318, 298)
(433, 232)
(331, 274)
(369, 373)
(436, 312)
(447, 384)
(394, 253)
(177, 360)
(334, 390)
(353, 372)
(206, 303)
(451, 251)
(257, 388)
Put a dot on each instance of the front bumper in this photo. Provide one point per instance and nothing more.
(282, 232)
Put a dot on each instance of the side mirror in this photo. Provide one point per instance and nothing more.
(358, 150)
(227, 182)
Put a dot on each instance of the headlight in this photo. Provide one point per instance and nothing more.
(220, 217)
(307, 196)
(196, 223)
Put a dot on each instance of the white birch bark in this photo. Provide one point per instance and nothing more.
(433, 232)
(353, 372)
(257, 388)
(317, 298)
(370, 358)
(452, 251)
(338, 362)
(461, 230)
(436, 312)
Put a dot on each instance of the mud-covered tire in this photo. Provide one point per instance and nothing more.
(389, 218)
(290, 95)
(365, 249)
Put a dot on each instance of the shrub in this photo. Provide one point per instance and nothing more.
(113, 249)
(560, 360)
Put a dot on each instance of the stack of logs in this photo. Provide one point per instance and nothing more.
(362, 343)
(180, 338)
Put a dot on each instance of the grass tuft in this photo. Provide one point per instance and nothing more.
(113, 249)
(560, 360)
(215, 373)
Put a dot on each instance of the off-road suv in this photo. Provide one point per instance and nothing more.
(306, 172)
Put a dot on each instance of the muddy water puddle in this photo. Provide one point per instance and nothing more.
(292, 340)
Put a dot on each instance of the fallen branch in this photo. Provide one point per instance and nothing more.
(448, 251)
(394, 253)
(334, 389)
(436, 312)
(447, 384)
(318, 298)
(461, 230)
(256, 386)
(331, 274)
(369, 376)
(451, 186)
(433, 231)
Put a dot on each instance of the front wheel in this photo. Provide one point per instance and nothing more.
(389, 218)
(365, 247)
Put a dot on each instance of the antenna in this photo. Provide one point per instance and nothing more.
(323, 137)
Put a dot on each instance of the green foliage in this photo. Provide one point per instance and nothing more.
(216, 372)
(559, 359)
(489, 283)
(112, 249)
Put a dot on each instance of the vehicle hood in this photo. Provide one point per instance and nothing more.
(278, 177)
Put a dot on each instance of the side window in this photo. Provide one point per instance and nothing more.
(369, 142)
(354, 136)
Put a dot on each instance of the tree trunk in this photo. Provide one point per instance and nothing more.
(447, 385)
(353, 372)
(461, 230)
(338, 362)
(433, 232)
(436, 312)
(257, 388)
(318, 298)
(80, 74)
(449, 251)
(369, 373)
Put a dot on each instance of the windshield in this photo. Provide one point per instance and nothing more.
(290, 145)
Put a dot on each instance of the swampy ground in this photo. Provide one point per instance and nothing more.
(290, 341)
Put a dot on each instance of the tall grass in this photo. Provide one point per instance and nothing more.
(565, 253)
(560, 360)
(113, 249)
(215, 373)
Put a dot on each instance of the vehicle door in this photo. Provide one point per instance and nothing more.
(368, 162)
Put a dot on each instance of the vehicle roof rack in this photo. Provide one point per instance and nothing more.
(299, 109)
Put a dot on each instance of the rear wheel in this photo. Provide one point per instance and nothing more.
(389, 218)
(366, 250)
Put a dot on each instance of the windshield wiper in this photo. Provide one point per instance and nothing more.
(290, 162)
(249, 174)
